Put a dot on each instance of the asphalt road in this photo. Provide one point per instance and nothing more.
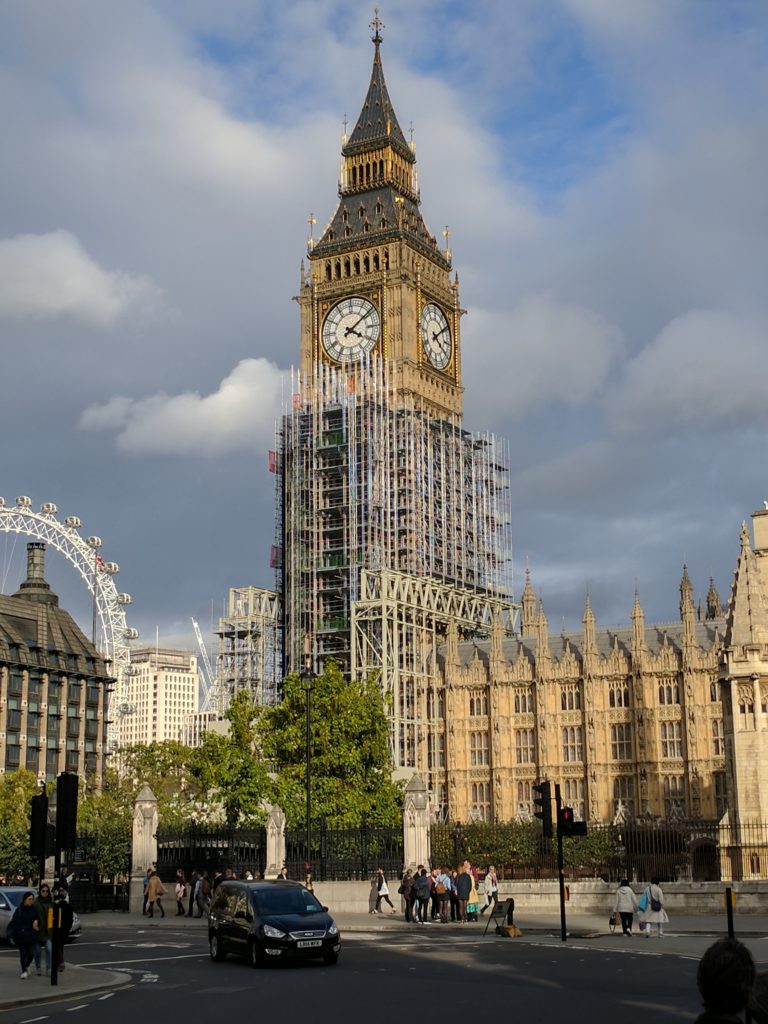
(427, 975)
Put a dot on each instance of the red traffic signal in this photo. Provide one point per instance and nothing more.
(567, 824)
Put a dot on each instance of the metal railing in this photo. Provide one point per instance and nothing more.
(345, 854)
(211, 849)
(685, 850)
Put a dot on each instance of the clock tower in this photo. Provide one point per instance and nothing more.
(378, 283)
(393, 520)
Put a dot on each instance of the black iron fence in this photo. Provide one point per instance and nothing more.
(213, 849)
(670, 851)
(345, 854)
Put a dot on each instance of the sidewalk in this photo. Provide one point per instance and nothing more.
(73, 982)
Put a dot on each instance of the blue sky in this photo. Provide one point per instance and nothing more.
(601, 165)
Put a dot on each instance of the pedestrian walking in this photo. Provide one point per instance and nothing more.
(154, 892)
(180, 891)
(382, 892)
(625, 905)
(44, 908)
(652, 909)
(490, 888)
(283, 872)
(203, 894)
(473, 903)
(23, 930)
(64, 918)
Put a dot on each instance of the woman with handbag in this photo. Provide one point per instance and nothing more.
(625, 905)
(382, 892)
(652, 909)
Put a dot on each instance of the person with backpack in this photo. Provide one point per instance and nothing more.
(44, 907)
(203, 894)
(23, 931)
(652, 909)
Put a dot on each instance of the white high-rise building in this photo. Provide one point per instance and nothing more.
(164, 692)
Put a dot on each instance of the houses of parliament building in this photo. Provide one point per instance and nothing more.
(393, 555)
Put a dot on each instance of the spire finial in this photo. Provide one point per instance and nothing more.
(376, 25)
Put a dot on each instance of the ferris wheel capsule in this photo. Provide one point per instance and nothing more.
(93, 542)
(73, 522)
(2, 502)
(131, 633)
(49, 508)
(24, 501)
(124, 599)
(111, 568)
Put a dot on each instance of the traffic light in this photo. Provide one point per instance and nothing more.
(66, 811)
(38, 827)
(567, 824)
(543, 802)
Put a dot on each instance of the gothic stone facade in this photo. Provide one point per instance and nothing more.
(628, 721)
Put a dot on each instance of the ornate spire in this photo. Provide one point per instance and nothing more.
(377, 124)
(542, 635)
(638, 630)
(714, 604)
(590, 642)
(528, 602)
(686, 593)
(497, 638)
(746, 620)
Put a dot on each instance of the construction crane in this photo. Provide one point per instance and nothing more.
(210, 689)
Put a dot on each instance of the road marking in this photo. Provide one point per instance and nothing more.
(661, 1006)
(102, 998)
(71, 1009)
(31, 1020)
(141, 960)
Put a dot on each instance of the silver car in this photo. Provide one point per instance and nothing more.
(11, 897)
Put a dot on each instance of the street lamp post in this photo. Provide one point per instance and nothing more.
(307, 676)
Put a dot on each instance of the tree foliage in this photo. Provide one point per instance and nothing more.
(16, 791)
(104, 824)
(166, 768)
(350, 761)
(228, 769)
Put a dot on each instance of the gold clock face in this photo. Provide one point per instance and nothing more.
(351, 329)
(436, 336)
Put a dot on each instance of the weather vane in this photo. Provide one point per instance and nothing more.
(376, 24)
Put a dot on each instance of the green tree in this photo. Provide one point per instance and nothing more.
(166, 768)
(229, 770)
(351, 765)
(104, 822)
(16, 791)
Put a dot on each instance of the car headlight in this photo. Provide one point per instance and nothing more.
(332, 929)
(273, 933)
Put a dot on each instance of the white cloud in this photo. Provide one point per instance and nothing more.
(551, 351)
(51, 275)
(704, 371)
(239, 416)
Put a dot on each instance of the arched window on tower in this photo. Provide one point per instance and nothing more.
(337, 269)
(328, 271)
(347, 267)
(357, 264)
(376, 261)
(366, 264)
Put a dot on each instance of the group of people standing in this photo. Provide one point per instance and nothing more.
(32, 929)
(649, 906)
(442, 894)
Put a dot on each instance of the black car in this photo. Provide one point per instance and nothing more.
(270, 921)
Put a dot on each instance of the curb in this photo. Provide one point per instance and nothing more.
(113, 981)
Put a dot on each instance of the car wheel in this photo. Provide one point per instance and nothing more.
(257, 956)
(217, 953)
(330, 959)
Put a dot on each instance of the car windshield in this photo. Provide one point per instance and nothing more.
(15, 897)
(286, 901)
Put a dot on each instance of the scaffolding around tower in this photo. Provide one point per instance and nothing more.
(393, 522)
(249, 648)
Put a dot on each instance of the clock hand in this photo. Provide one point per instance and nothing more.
(436, 334)
(351, 330)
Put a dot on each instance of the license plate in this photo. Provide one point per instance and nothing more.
(309, 943)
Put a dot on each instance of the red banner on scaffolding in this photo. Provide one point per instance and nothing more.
(272, 460)
(274, 557)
